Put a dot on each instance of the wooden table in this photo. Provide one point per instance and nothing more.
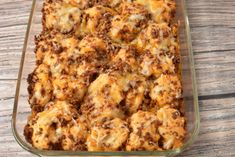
(213, 35)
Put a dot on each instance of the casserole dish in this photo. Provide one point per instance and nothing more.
(22, 108)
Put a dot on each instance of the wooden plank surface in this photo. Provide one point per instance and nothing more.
(213, 36)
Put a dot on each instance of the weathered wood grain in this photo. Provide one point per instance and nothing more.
(217, 132)
(13, 24)
(213, 36)
(8, 145)
(215, 72)
(212, 24)
(7, 89)
(205, 13)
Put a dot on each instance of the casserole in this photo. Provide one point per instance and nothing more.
(22, 108)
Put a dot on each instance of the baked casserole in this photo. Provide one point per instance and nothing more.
(107, 77)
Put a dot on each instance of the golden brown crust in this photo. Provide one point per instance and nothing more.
(172, 127)
(166, 89)
(107, 77)
(59, 15)
(127, 55)
(144, 135)
(131, 19)
(108, 136)
(159, 38)
(103, 97)
(161, 10)
(57, 127)
(97, 19)
(40, 86)
(155, 65)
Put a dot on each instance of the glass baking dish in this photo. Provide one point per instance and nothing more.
(22, 108)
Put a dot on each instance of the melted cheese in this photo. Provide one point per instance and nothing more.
(128, 56)
(106, 77)
(172, 128)
(161, 10)
(40, 88)
(158, 38)
(166, 89)
(48, 128)
(155, 65)
(96, 19)
(108, 136)
(145, 132)
(61, 16)
(128, 24)
(135, 94)
(104, 95)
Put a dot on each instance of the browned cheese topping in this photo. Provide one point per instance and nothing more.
(144, 135)
(107, 77)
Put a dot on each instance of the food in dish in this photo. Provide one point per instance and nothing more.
(107, 77)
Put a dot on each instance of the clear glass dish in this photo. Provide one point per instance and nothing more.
(22, 109)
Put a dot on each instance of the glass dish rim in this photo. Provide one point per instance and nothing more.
(118, 153)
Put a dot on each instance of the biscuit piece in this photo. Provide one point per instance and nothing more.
(69, 88)
(92, 56)
(103, 97)
(108, 136)
(156, 64)
(135, 95)
(127, 55)
(97, 19)
(161, 10)
(93, 44)
(144, 135)
(60, 16)
(40, 86)
(56, 49)
(172, 127)
(166, 89)
(126, 26)
(57, 128)
(159, 38)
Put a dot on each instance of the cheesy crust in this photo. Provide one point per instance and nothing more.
(103, 98)
(166, 89)
(172, 127)
(144, 135)
(108, 136)
(57, 127)
(62, 16)
(40, 86)
(155, 65)
(161, 10)
(159, 38)
(97, 19)
(131, 19)
(107, 77)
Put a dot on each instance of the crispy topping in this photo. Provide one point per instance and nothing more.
(108, 136)
(144, 135)
(166, 89)
(172, 128)
(57, 127)
(107, 77)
